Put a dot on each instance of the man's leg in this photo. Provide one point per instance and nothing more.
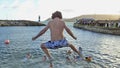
(74, 49)
(45, 50)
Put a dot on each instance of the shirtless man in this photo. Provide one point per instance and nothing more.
(56, 26)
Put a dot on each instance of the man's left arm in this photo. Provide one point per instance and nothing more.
(70, 32)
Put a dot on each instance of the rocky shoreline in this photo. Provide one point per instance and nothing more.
(113, 31)
(20, 23)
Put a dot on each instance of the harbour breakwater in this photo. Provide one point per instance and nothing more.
(20, 23)
(105, 30)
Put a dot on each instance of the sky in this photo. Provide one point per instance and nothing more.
(31, 9)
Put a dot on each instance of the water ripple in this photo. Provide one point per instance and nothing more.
(104, 49)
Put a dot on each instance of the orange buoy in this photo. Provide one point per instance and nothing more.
(7, 41)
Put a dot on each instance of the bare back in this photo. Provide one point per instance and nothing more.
(56, 28)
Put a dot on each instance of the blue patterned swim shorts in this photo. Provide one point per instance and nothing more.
(56, 44)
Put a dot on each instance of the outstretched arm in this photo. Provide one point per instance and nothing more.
(41, 32)
(70, 32)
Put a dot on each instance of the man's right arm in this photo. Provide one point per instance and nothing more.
(70, 32)
(41, 32)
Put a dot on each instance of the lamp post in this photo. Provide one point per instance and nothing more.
(39, 19)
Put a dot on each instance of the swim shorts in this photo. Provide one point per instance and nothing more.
(56, 44)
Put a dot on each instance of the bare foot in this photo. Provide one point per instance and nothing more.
(51, 65)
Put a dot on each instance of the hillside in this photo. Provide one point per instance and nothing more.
(96, 17)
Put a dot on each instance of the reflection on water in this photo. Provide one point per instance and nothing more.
(103, 48)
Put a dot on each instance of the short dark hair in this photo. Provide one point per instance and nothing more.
(57, 14)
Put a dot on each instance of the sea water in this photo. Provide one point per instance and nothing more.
(103, 48)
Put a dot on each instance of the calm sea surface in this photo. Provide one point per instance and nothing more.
(103, 48)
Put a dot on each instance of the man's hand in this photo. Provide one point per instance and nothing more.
(33, 38)
(74, 38)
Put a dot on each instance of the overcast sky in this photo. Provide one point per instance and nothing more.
(31, 9)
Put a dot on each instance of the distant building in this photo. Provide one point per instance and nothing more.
(100, 23)
(86, 21)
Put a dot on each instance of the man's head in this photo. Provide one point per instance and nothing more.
(57, 14)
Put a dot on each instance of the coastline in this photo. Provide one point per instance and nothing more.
(20, 23)
(112, 31)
